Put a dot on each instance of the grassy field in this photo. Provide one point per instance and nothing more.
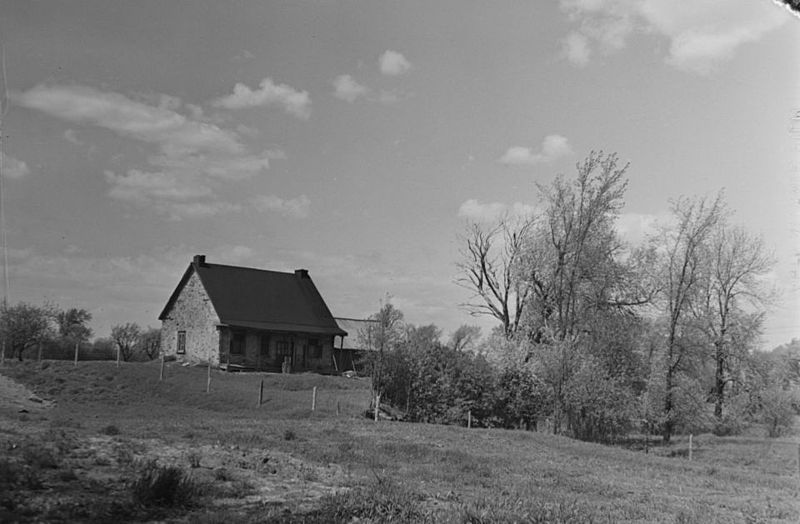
(118, 445)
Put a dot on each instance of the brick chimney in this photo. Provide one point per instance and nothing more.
(199, 260)
(301, 273)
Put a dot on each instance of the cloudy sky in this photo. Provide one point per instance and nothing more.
(355, 137)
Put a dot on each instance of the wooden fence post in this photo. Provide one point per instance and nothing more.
(208, 381)
(117, 355)
(690, 446)
(469, 419)
(261, 393)
(377, 405)
(339, 409)
(314, 399)
(77, 349)
(161, 371)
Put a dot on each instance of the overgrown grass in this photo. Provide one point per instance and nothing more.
(395, 471)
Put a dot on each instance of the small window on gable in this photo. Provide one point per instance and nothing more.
(315, 348)
(237, 344)
(181, 342)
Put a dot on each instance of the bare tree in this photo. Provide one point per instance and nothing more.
(126, 337)
(489, 264)
(150, 342)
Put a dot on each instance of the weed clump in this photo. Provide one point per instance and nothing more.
(163, 486)
(194, 459)
(381, 501)
(517, 509)
(289, 435)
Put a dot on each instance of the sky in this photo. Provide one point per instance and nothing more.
(355, 138)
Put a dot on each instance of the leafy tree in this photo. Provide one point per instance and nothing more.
(381, 335)
(150, 343)
(681, 274)
(72, 327)
(126, 337)
(24, 326)
(732, 299)
(578, 271)
(72, 324)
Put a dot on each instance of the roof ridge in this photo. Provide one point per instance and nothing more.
(214, 264)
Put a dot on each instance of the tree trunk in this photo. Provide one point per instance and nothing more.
(668, 405)
(719, 383)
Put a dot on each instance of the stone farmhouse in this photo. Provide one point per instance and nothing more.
(242, 318)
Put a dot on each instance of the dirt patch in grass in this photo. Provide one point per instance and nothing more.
(16, 398)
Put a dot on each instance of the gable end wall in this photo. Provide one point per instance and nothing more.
(192, 312)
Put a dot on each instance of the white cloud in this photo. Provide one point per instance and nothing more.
(293, 101)
(70, 135)
(702, 34)
(191, 156)
(636, 227)
(552, 148)
(576, 49)
(13, 168)
(174, 132)
(295, 207)
(393, 63)
(346, 88)
(473, 209)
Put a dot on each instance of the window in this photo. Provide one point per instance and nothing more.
(181, 342)
(314, 348)
(237, 344)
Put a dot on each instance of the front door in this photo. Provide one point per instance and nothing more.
(263, 354)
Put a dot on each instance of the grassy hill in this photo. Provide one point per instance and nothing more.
(107, 448)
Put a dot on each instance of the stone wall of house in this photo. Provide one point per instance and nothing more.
(193, 313)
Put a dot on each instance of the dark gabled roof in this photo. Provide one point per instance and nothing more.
(261, 299)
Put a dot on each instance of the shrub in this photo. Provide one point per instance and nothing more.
(222, 474)
(289, 435)
(778, 410)
(156, 485)
(110, 430)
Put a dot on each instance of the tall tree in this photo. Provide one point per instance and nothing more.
(682, 246)
(383, 334)
(573, 264)
(733, 299)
